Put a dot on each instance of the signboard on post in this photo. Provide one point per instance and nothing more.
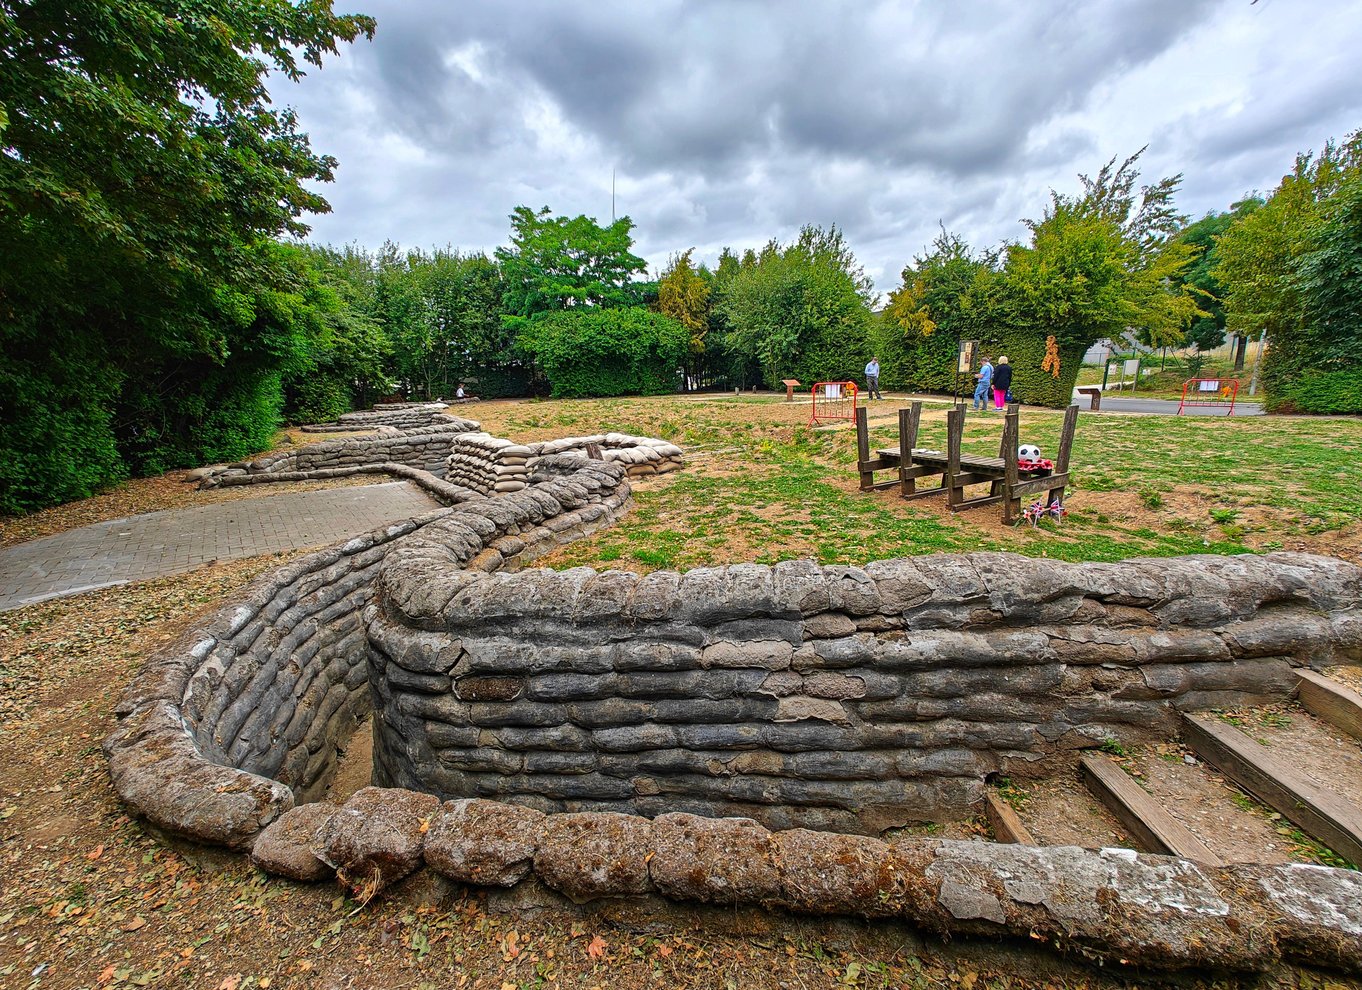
(969, 353)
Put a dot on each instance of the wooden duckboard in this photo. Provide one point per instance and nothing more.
(1155, 829)
(1007, 827)
(1338, 705)
(1324, 815)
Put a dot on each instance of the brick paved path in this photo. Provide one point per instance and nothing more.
(179, 540)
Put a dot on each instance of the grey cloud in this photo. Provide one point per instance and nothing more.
(736, 121)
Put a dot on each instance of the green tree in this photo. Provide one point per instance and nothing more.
(683, 293)
(556, 263)
(801, 310)
(1098, 264)
(1200, 282)
(948, 294)
(144, 173)
(597, 352)
(344, 364)
(1260, 266)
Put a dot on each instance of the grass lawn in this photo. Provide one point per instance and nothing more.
(760, 485)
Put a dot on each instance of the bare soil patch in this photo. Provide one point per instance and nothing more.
(1059, 811)
(1325, 754)
(1229, 824)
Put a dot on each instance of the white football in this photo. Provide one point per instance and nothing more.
(1028, 452)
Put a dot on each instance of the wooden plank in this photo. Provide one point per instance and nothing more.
(1007, 827)
(1066, 443)
(955, 431)
(863, 447)
(1324, 815)
(1155, 829)
(909, 420)
(1011, 497)
(878, 464)
(1336, 703)
(1045, 484)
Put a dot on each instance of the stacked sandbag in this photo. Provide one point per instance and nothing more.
(639, 456)
(488, 465)
(401, 415)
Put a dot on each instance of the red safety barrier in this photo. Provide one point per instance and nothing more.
(1216, 393)
(832, 401)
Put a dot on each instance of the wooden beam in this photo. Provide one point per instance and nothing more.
(1155, 829)
(1324, 815)
(1337, 704)
(909, 420)
(1011, 498)
(863, 447)
(1066, 443)
(1007, 827)
(955, 431)
(1046, 484)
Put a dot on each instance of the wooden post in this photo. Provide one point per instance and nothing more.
(1066, 443)
(955, 431)
(863, 449)
(1011, 504)
(909, 420)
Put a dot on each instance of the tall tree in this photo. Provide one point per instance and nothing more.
(1259, 264)
(802, 309)
(683, 293)
(1104, 262)
(144, 172)
(556, 263)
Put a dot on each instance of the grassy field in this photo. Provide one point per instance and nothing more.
(760, 485)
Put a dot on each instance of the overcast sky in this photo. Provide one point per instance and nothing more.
(729, 122)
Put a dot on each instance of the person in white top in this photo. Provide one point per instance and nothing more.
(872, 379)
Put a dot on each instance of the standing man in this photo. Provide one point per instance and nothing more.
(983, 388)
(872, 379)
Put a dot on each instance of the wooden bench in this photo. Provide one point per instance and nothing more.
(1094, 395)
(1007, 482)
(790, 385)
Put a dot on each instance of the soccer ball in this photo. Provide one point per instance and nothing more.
(1028, 452)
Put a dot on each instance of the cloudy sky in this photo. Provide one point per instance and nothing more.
(728, 122)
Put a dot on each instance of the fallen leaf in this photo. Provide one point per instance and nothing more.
(596, 949)
(134, 924)
(230, 982)
(96, 852)
(664, 951)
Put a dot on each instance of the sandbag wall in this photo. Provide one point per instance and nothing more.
(841, 698)
(488, 465)
(223, 731)
(399, 415)
(426, 448)
(640, 456)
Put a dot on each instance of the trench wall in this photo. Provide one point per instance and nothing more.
(243, 716)
(840, 698)
(423, 448)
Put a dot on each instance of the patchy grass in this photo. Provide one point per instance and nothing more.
(760, 485)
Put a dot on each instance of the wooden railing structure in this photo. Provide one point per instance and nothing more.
(1008, 482)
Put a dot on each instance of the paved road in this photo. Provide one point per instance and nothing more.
(1165, 407)
(179, 540)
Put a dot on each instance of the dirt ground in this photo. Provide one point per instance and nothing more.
(88, 898)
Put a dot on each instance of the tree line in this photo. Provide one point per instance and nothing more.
(158, 307)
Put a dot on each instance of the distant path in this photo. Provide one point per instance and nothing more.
(178, 540)
(1165, 407)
